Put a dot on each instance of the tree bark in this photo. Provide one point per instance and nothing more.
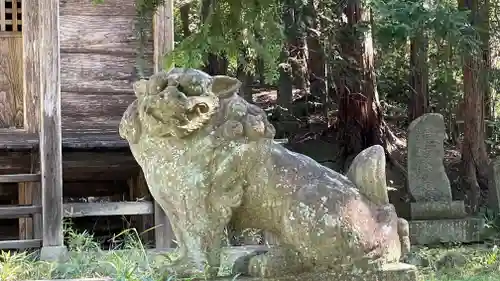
(244, 76)
(317, 58)
(260, 67)
(184, 13)
(216, 64)
(419, 76)
(474, 155)
(484, 33)
(297, 38)
(285, 94)
(360, 116)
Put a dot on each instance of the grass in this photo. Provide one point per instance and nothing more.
(453, 263)
(86, 261)
(458, 263)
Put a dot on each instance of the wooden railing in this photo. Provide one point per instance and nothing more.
(10, 212)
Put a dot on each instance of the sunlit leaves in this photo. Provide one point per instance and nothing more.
(398, 20)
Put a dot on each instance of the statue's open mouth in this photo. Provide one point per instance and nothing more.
(198, 109)
(193, 111)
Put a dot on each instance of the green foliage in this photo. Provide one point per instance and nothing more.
(230, 27)
(255, 28)
(403, 19)
(449, 34)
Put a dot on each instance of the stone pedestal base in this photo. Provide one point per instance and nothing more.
(231, 258)
(436, 210)
(425, 232)
(389, 272)
(54, 253)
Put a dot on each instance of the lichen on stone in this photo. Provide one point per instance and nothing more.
(209, 160)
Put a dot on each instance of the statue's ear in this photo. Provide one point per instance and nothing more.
(223, 85)
(130, 125)
(141, 88)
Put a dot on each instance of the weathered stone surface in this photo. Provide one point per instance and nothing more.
(367, 172)
(434, 210)
(209, 159)
(427, 178)
(232, 263)
(404, 237)
(388, 272)
(234, 260)
(54, 253)
(494, 186)
(428, 232)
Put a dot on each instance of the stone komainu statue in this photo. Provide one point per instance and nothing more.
(209, 160)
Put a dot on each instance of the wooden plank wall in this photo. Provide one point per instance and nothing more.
(11, 80)
(31, 192)
(98, 58)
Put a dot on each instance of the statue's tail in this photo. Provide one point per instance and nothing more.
(367, 172)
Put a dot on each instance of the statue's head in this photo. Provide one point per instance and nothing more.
(175, 103)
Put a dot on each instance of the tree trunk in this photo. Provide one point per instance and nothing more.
(260, 67)
(216, 64)
(244, 75)
(474, 155)
(449, 89)
(184, 13)
(299, 58)
(317, 59)
(484, 33)
(419, 76)
(285, 94)
(360, 117)
(297, 38)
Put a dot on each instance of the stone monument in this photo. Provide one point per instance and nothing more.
(494, 186)
(435, 216)
(209, 159)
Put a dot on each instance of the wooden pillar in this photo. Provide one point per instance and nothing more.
(138, 190)
(30, 193)
(50, 131)
(163, 33)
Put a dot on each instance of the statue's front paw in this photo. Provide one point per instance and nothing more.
(274, 264)
(404, 236)
(183, 268)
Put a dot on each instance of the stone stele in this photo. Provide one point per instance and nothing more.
(427, 177)
(209, 159)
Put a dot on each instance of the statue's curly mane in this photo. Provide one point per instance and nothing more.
(226, 114)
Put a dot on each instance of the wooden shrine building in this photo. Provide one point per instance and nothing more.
(66, 74)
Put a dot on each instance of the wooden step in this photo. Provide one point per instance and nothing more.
(20, 140)
(21, 244)
(14, 212)
(75, 210)
(17, 178)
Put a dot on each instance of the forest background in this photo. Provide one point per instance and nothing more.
(339, 76)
